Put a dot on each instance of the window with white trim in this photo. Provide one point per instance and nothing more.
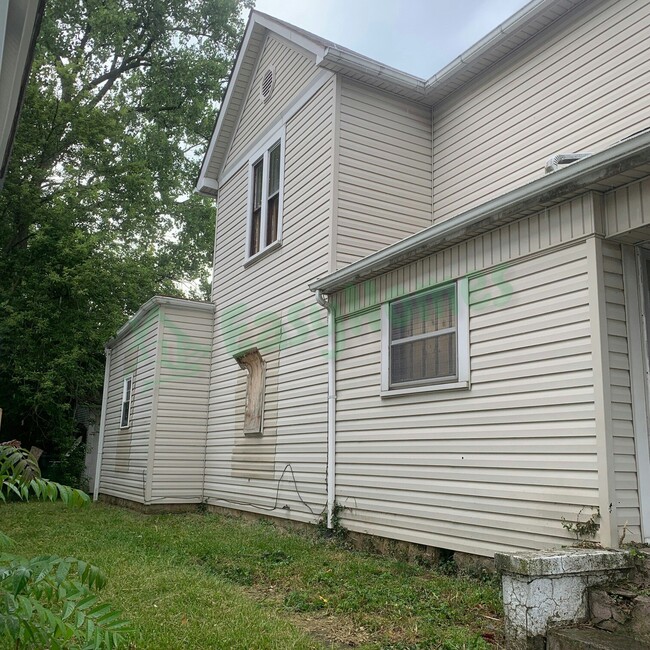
(425, 340)
(265, 212)
(125, 416)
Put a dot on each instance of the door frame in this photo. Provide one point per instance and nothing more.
(636, 285)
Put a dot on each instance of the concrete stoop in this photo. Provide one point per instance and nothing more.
(591, 639)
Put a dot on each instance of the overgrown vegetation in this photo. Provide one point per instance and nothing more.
(98, 211)
(48, 601)
(584, 530)
(204, 581)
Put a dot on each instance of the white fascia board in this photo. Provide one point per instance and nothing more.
(284, 30)
(153, 303)
(575, 176)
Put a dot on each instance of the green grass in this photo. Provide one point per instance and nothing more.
(208, 581)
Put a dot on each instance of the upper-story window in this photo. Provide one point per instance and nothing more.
(265, 211)
(125, 412)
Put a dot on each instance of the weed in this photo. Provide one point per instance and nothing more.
(583, 529)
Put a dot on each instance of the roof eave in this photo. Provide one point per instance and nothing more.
(589, 171)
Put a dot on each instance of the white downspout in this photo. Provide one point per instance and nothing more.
(102, 424)
(331, 405)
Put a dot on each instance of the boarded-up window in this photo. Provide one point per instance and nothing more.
(254, 365)
(423, 338)
(127, 386)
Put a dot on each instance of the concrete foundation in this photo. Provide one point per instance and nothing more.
(547, 589)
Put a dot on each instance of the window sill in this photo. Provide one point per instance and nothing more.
(263, 253)
(396, 392)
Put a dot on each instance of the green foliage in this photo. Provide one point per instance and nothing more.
(98, 211)
(583, 530)
(48, 601)
(338, 531)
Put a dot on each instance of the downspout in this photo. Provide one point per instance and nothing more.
(331, 405)
(102, 423)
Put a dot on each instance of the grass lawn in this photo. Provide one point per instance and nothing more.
(202, 581)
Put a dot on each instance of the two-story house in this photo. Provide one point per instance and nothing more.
(429, 296)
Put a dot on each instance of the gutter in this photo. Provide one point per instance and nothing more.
(102, 424)
(331, 407)
(573, 178)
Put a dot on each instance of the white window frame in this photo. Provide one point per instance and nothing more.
(462, 379)
(262, 153)
(128, 380)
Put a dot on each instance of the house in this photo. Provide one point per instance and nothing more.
(429, 299)
(20, 22)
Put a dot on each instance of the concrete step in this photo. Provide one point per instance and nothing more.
(588, 638)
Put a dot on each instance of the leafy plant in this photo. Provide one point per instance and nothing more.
(338, 531)
(49, 601)
(583, 530)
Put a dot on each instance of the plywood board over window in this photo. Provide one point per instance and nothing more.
(254, 365)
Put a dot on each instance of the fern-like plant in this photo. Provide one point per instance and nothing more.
(50, 601)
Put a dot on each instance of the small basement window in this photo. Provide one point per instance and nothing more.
(255, 367)
(125, 418)
(265, 211)
(425, 340)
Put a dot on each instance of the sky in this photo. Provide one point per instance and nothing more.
(416, 36)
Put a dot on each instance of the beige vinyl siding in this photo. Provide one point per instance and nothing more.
(125, 451)
(182, 407)
(497, 466)
(384, 182)
(267, 305)
(580, 85)
(626, 486)
(293, 69)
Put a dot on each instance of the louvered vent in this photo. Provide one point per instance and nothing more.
(268, 81)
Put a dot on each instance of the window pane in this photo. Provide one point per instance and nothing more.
(274, 170)
(256, 222)
(430, 358)
(423, 314)
(272, 219)
(257, 184)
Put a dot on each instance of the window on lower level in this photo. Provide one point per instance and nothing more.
(265, 219)
(125, 416)
(425, 340)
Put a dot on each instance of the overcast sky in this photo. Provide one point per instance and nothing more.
(417, 36)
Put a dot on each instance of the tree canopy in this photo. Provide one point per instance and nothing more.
(98, 211)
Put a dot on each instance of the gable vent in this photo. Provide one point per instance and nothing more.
(268, 81)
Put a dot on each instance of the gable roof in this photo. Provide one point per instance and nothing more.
(519, 28)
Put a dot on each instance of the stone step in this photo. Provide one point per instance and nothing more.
(621, 609)
(587, 638)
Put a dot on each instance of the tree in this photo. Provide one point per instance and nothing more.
(98, 211)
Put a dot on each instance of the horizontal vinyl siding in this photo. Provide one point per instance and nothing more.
(125, 451)
(182, 410)
(268, 306)
(581, 85)
(293, 70)
(384, 182)
(486, 469)
(625, 476)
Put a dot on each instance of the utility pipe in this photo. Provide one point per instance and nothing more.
(331, 405)
(102, 423)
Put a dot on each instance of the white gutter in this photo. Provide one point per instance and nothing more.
(331, 407)
(102, 424)
(597, 168)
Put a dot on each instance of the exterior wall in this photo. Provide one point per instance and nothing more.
(384, 180)
(622, 424)
(125, 451)
(495, 467)
(180, 421)
(267, 305)
(294, 69)
(580, 85)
